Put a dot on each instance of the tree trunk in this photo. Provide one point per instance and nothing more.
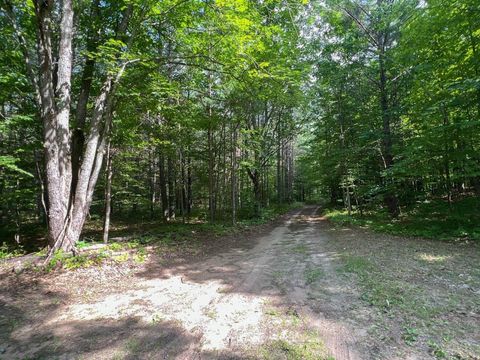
(182, 192)
(189, 186)
(390, 198)
(55, 116)
(211, 177)
(171, 187)
(257, 191)
(69, 184)
(163, 187)
(280, 171)
(108, 194)
(234, 176)
(153, 182)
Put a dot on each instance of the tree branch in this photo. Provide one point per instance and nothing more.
(373, 41)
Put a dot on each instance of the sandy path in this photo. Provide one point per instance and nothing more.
(228, 306)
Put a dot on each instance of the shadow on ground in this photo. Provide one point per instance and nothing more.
(106, 315)
(33, 308)
(28, 333)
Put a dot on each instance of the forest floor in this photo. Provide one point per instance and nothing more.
(298, 288)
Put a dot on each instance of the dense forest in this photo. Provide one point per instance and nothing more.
(149, 110)
(238, 179)
(221, 110)
(397, 88)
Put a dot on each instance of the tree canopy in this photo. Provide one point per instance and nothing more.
(220, 109)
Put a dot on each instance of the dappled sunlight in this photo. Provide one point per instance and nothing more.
(234, 179)
(431, 258)
(191, 305)
(219, 305)
(294, 289)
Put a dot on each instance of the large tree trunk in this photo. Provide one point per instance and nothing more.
(70, 178)
(55, 115)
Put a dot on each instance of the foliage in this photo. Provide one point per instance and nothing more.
(417, 91)
(433, 219)
(207, 84)
(228, 111)
(6, 252)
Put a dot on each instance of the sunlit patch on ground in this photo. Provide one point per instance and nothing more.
(430, 258)
(303, 291)
(222, 318)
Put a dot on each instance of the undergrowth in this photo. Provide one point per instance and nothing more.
(402, 281)
(428, 219)
(62, 260)
(7, 252)
(174, 234)
(162, 237)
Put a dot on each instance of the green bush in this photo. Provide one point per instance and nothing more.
(429, 219)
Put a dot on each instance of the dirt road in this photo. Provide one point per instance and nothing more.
(280, 296)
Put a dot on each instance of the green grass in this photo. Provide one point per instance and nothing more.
(156, 233)
(419, 314)
(429, 219)
(436, 350)
(383, 290)
(419, 289)
(300, 249)
(357, 265)
(116, 246)
(410, 335)
(132, 345)
(312, 275)
(172, 236)
(311, 349)
(67, 261)
(176, 233)
(83, 244)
